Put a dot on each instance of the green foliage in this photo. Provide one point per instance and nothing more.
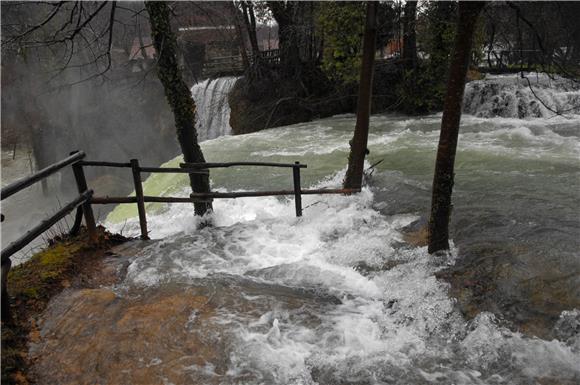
(421, 91)
(342, 27)
(438, 36)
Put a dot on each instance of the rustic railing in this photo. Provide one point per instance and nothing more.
(234, 64)
(82, 200)
(85, 200)
(203, 168)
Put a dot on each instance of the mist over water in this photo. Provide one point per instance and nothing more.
(337, 296)
(115, 120)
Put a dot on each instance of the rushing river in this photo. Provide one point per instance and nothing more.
(337, 296)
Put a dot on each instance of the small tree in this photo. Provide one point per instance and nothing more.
(358, 144)
(444, 165)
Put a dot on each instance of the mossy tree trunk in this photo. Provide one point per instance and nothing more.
(177, 93)
(444, 166)
(358, 144)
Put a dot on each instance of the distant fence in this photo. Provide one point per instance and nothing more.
(84, 201)
(234, 65)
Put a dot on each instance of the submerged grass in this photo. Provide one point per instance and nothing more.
(33, 283)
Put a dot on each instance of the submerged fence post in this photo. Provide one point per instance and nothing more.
(297, 189)
(140, 200)
(81, 180)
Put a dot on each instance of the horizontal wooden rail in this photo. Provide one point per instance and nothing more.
(143, 169)
(105, 164)
(235, 164)
(197, 197)
(146, 198)
(245, 194)
(172, 170)
(43, 226)
(21, 184)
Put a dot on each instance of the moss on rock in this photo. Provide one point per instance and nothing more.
(33, 283)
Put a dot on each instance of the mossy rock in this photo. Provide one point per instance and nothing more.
(33, 283)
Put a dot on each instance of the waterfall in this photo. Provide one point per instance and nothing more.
(510, 96)
(213, 110)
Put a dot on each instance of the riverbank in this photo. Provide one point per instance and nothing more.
(67, 262)
(273, 100)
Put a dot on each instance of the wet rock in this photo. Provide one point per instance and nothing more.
(96, 336)
(365, 269)
(505, 281)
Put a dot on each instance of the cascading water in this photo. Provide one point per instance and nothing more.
(511, 96)
(337, 296)
(213, 110)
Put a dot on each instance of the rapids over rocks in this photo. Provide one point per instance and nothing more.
(337, 296)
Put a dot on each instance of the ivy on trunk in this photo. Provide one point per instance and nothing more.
(178, 94)
(358, 144)
(444, 165)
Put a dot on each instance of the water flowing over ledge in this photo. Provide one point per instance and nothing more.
(511, 96)
(213, 110)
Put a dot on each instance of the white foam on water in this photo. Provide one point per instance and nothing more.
(395, 322)
(393, 326)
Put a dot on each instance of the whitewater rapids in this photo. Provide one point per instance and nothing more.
(365, 307)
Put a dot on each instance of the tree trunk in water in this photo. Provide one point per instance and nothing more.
(444, 165)
(358, 144)
(409, 35)
(178, 95)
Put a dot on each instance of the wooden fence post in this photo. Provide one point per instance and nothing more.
(297, 189)
(5, 300)
(81, 180)
(140, 200)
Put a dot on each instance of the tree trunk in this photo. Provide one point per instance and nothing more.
(284, 13)
(444, 166)
(250, 23)
(358, 144)
(240, 35)
(409, 35)
(178, 95)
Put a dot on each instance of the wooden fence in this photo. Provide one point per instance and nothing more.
(233, 65)
(84, 201)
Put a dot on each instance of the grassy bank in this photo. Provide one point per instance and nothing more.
(66, 262)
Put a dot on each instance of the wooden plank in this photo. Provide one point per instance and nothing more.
(173, 199)
(234, 164)
(43, 226)
(171, 170)
(105, 164)
(147, 199)
(21, 184)
(112, 200)
(247, 194)
(139, 197)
